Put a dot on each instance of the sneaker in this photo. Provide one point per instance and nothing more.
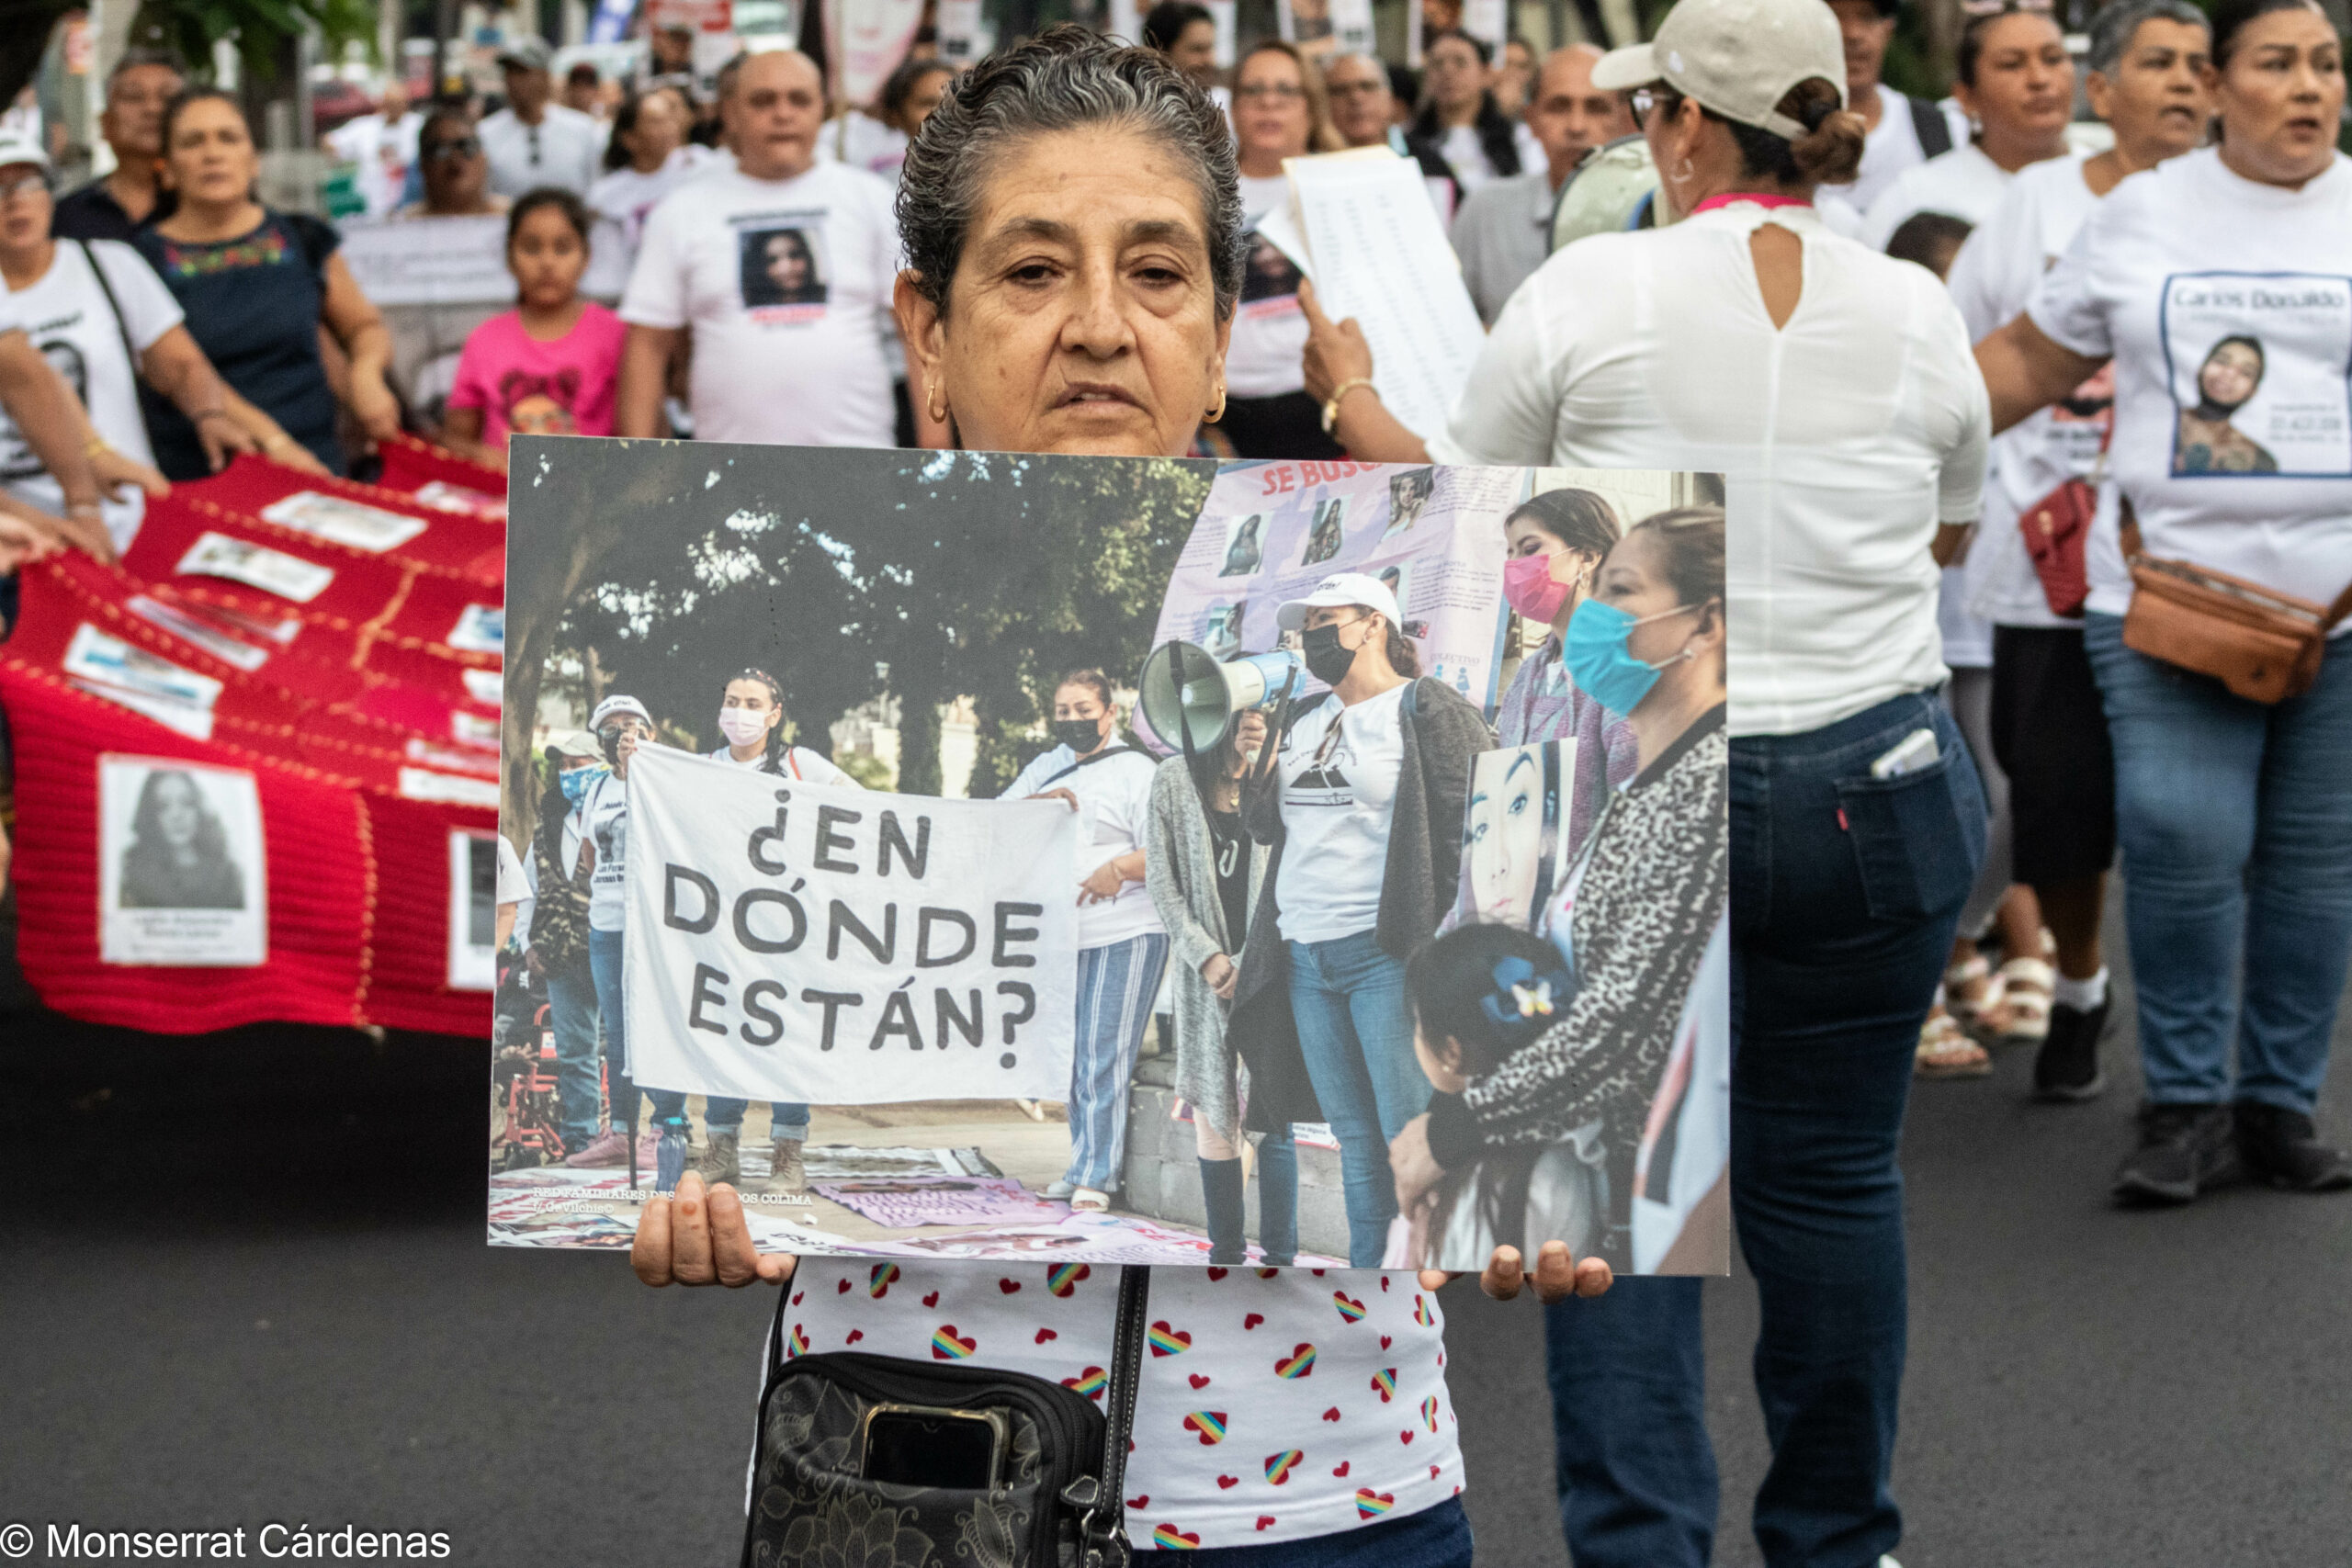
(2184, 1150)
(2282, 1147)
(648, 1151)
(607, 1148)
(1059, 1191)
(2066, 1068)
(785, 1173)
(717, 1162)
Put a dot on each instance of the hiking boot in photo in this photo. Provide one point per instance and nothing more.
(2184, 1150)
(2066, 1069)
(785, 1173)
(2282, 1148)
(715, 1163)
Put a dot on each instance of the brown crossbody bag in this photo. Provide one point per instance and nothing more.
(2262, 645)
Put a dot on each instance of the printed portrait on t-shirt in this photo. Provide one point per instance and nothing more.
(1269, 281)
(1323, 540)
(180, 852)
(782, 266)
(1245, 550)
(1408, 495)
(18, 460)
(2257, 370)
(540, 405)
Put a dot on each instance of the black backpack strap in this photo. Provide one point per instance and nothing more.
(1928, 123)
(121, 327)
(1102, 1521)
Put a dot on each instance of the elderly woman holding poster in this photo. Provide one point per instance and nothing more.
(1833, 388)
(1074, 240)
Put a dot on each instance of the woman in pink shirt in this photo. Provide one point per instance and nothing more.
(547, 366)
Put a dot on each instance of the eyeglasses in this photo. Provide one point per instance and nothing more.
(460, 147)
(1975, 10)
(1354, 89)
(22, 185)
(1283, 92)
(1645, 99)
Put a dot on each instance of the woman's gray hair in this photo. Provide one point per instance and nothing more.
(1066, 79)
(2114, 28)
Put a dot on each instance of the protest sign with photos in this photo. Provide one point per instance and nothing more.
(897, 758)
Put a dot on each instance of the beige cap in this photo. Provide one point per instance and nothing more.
(1739, 58)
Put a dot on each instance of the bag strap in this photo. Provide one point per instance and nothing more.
(1928, 124)
(1102, 1524)
(121, 327)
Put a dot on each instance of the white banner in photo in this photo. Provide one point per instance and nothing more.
(462, 260)
(123, 672)
(344, 521)
(1510, 831)
(182, 878)
(2257, 363)
(256, 566)
(788, 940)
(473, 911)
(1272, 531)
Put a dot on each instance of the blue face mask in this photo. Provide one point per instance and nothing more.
(574, 782)
(1593, 652)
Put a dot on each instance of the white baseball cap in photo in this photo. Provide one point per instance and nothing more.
(574, 743)
(17, 148)
(1739, 58)
(613, 706)
(1346, 588)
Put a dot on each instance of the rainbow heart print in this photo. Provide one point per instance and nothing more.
(1209, 1424)
(1279, 1466)
(1299, 1363)
(1167, 1537)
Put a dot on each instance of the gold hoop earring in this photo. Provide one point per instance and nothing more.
(938, 407)
(1217, 412)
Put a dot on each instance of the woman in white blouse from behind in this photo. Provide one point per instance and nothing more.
(1832, 386)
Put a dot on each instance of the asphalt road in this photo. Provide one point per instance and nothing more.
(243, 1280)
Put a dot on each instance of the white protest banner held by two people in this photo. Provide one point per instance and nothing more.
(789, 940)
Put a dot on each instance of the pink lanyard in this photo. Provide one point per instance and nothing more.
(1759, 197)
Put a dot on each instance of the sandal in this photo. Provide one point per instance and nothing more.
(1946, 1051)
(1972, 973)
(2026, 983)
(1086, 1201)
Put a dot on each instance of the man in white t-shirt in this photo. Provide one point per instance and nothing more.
(1904, 131)
(53, 294)
(782, 269)
(535, 141)
(383, 144)
(1504, 230)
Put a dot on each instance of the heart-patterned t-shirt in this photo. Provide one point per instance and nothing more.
(1274, 1404)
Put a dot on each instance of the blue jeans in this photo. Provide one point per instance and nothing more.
(1636, 1473)
(1116, 984)
(2235, 823)
(605, 963)
(1355, 1031)
(1434, 1538)
(1844, 891)
(785, 1120)
(571, 1013)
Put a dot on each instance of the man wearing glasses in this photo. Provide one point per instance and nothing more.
(452, 169)
(139, 86)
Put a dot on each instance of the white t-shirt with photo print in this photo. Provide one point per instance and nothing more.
(2227, 306)
(69, 321)
(1273, 1404)
(1339, 770)
(785, 285)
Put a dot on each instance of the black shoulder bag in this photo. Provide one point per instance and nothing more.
(943, 1463)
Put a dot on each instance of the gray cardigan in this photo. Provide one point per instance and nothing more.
(1440, 733)
(1179, 868)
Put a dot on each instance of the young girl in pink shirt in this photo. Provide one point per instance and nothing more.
(549, 366)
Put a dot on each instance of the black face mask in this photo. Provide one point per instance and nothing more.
(1326, 660)
(1081, 735)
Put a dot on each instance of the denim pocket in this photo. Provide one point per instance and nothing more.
(1915, 856)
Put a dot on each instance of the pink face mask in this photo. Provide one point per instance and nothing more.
(741, 726)
(1529, 589)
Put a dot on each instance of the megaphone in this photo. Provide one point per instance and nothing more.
(1189, 698)
(1615, 188)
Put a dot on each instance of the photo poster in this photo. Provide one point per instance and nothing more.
(854, 921)
(1511, 844)
(2261, 374)
(182, 875)
(1326, 29)
(473, 911)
